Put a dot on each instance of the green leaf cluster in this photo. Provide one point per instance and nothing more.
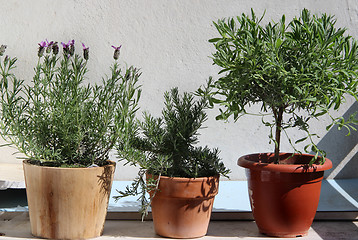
(165, 146)
(58, 119)
(297, 70)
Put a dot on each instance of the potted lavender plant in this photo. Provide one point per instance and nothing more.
(297, 71)
(66, 128)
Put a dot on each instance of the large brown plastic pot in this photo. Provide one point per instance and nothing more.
(284, 197)
(67, 203)
(182, 206)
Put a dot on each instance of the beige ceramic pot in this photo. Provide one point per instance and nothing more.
(67, 203)
(182, 206)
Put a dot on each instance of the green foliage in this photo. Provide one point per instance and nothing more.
(297, 71)
(164, 146)
(59, 120)
(167, 142)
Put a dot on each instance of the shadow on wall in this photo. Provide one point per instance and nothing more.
(342, 150)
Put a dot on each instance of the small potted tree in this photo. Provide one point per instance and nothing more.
(181, 179)
(297, 71)
(66, 128)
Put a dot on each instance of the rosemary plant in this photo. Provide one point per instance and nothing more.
(165, 146)
(59, 120)
(297, 71)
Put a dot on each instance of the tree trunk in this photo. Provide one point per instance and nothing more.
(278, 120)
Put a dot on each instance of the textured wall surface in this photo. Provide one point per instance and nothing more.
(168, 40)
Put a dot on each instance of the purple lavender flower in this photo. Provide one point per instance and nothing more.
(72, 47)
(48, 43)
(85, 51)
(69, 48)
(55, 48)
(49, 46)
(116, 52)
(65, 47)
(2, 49)
(42, 46)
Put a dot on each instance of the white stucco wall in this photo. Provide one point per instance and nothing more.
(168, 40)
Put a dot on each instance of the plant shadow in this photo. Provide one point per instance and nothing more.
(134, 229)
(237, 229)
(105, 180)
(217, 229)
(339, 147)
(333, 230)
(204, 203)
(16, 225)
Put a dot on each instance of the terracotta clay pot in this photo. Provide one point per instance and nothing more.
(67, 203)
(182, 206)
(284, 197)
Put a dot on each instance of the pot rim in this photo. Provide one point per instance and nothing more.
(27, 162)
(187, 188)
(183, 179)
(245, 162)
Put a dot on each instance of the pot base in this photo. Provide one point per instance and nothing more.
(181, 218)
(284, 234)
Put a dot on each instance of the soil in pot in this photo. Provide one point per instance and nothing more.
(68, 203)
(182, 206)
(283, 197)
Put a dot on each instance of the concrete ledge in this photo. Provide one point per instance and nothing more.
(11, 176)
(19, 228)
(339, 201)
